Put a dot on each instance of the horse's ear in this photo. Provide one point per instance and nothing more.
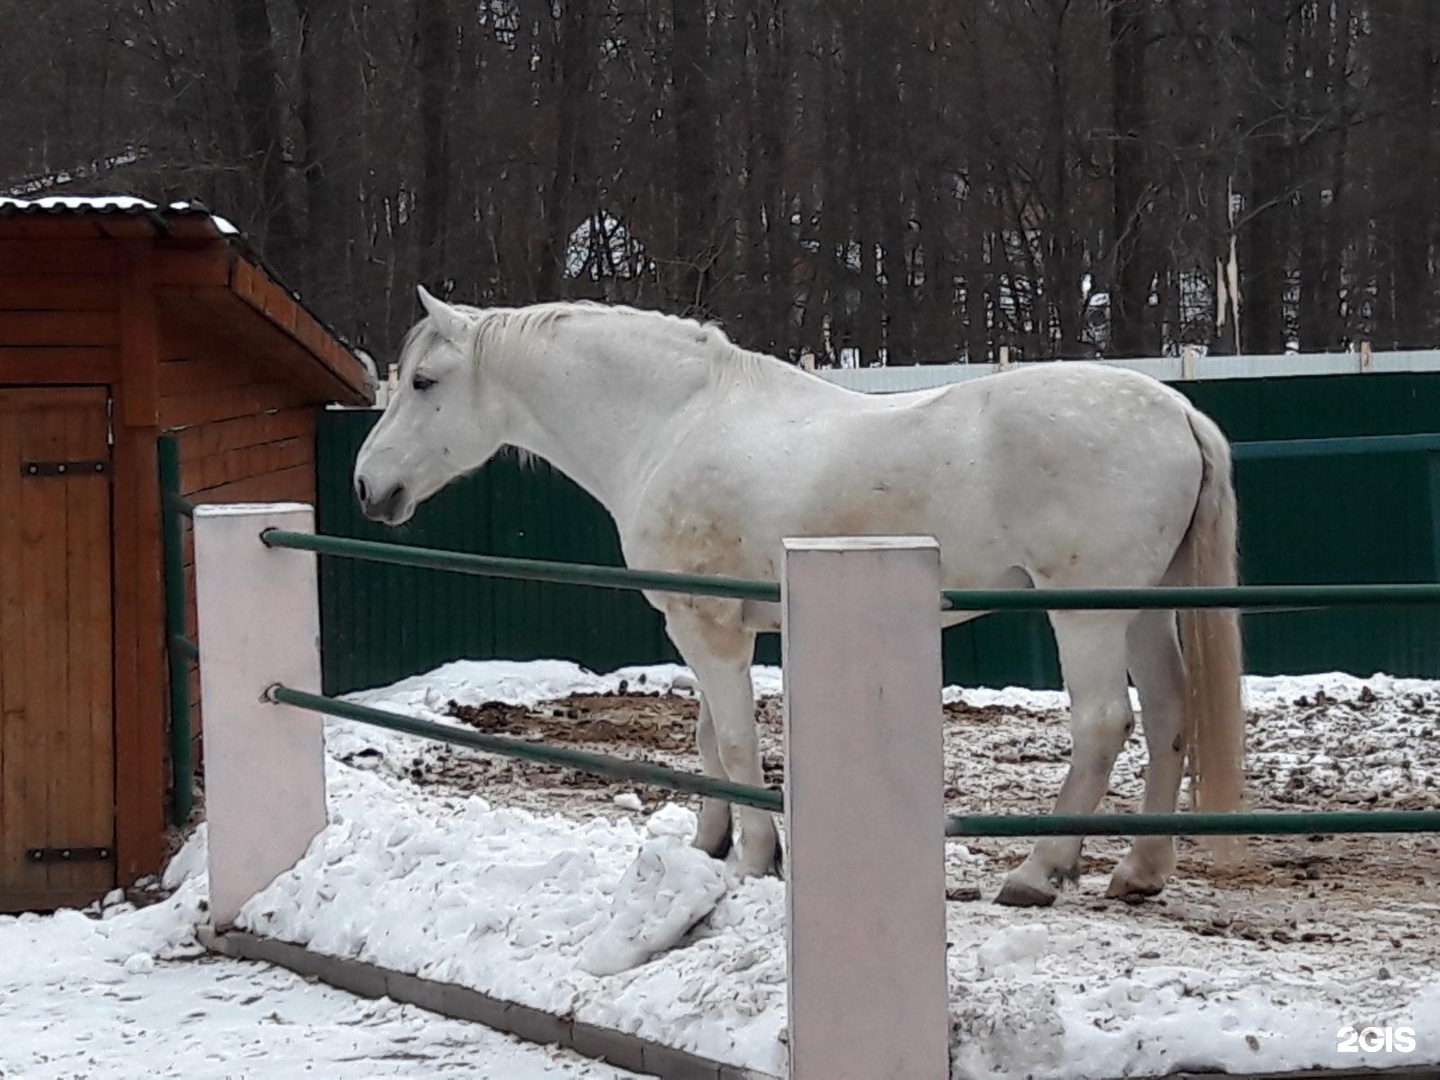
(452, 323)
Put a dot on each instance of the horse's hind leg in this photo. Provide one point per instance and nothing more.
(1158, 670)
(712, 836)
(1092, 660)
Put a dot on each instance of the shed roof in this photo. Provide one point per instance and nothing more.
(222, 275)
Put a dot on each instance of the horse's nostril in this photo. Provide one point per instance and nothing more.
(379, 504)
(394, 500)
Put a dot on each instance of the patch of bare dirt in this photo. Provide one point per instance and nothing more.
(647, 722)
(1322, 751)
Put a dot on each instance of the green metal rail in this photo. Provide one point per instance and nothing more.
(597, 764)
(959, 826)
(565, 573)
(1344, 446)
(1255, 597)
(1259, 597)
(180, 650)
(1259, 823)
(1194, 824)
(1251, 597)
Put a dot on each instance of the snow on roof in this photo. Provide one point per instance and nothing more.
(198, 222)
(109, 204)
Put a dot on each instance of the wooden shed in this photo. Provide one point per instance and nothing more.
(122, 322)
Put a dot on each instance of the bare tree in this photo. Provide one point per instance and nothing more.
(1131, 332)
(906, 184)
(262, 118)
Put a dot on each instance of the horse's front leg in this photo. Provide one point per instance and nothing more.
(712, 836)
(719, 651)
(1092, 660)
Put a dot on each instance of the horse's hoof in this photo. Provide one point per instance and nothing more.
(744, 872)
(1066, 875)
(714, 829)
(745, 863)
(1018, 894)
(1124, 887)
(717, 848)
(1138, 876)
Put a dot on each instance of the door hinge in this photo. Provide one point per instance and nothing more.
(63, 468)
(67, 854)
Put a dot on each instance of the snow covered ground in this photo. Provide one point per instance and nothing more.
(120, 993)
(501, 876)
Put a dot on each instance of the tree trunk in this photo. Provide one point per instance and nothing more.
(1264, 238)
(262, 118)
(1062, 267)
(435, 53)
(695, 202)
(979, 214)
(572, 87)
(774, 250)
(1411, 223)
(1322, 157)
(332, 227)
(1130, 322)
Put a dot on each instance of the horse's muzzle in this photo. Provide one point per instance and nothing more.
(387, 507)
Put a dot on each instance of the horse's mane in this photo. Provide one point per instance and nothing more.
(729, 363)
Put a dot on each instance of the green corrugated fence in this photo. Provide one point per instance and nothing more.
(1317, 514)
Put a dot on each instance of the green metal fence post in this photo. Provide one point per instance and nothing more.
(178, 648)
(1432, 465)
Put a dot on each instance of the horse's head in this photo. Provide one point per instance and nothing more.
(437, 425)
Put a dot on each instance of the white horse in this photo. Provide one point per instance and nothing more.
(1064, 475)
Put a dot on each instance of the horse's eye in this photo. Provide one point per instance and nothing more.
(422, 382)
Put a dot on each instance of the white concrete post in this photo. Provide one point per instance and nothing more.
(864, 809)
(259, 623)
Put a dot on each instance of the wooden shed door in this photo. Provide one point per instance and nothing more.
(57, 730)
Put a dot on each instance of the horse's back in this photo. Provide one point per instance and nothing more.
(1080, 473)
(1069, 470)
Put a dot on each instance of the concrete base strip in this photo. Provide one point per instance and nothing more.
(613, 1047)
(461, 1003)
(1401, 1072)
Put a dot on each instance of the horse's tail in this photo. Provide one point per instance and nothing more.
(1210, 639)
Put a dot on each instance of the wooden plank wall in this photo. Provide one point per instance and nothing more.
(243, 437)
(56, 328)
(139, 603)
(160, 326)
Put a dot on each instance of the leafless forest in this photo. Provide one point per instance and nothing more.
(918, 180)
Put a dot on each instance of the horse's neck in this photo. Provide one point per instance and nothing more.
(597, 406)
